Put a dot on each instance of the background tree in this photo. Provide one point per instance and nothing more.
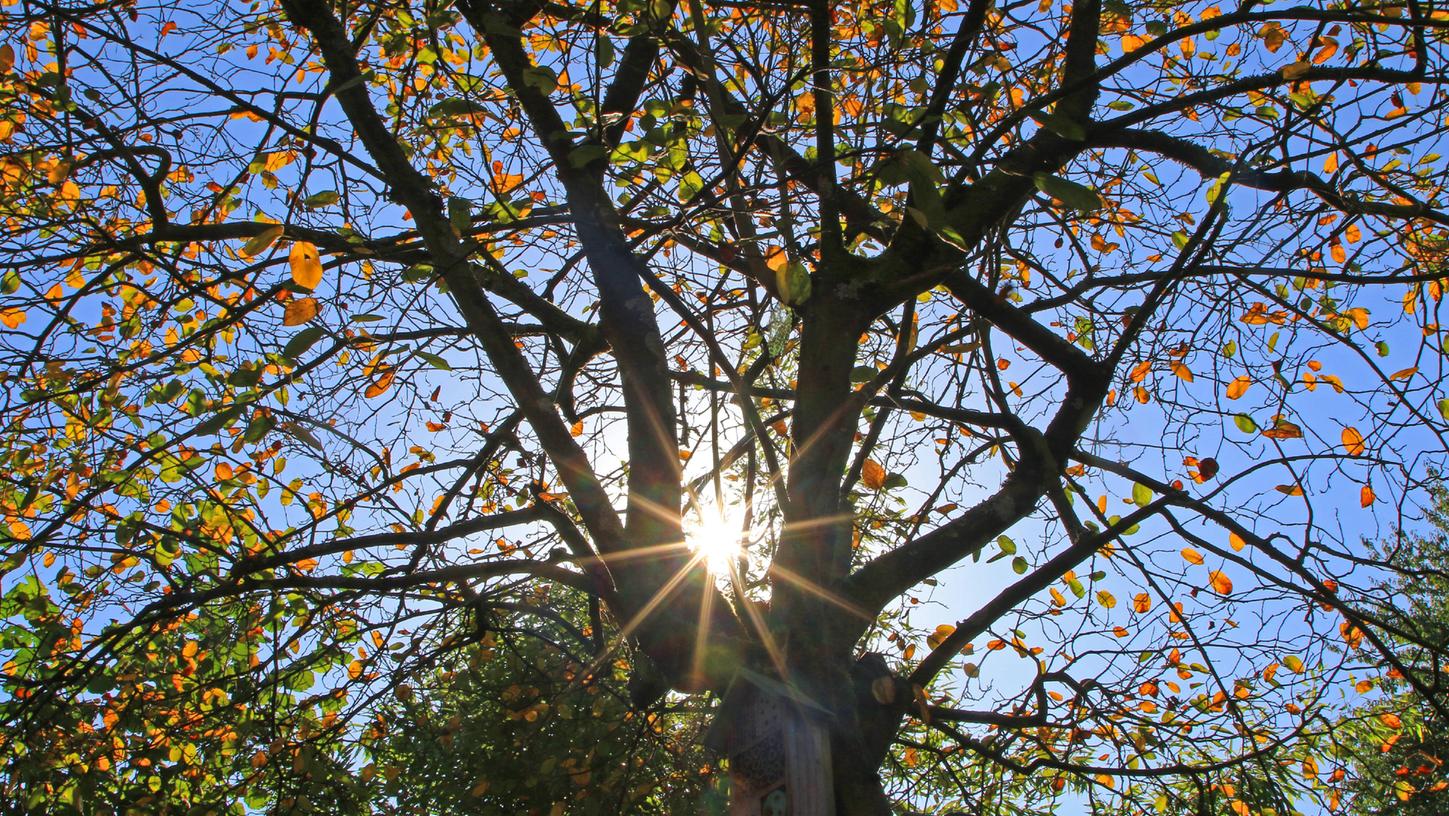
(1400, 759)
(336, 328)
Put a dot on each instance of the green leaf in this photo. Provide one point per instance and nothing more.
(1141, 495)
(1245, 423)
(1069, 193)
(1061, 126)
(302, 341)
(435, 361)
(1019, 565)
(322, 199)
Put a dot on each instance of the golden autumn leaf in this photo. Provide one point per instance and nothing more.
(1391, 720)
(1182, 371)
(299, 311)
(1236, 542)
(1339, 254)
(937, 637)
(1239, 386)
(873, 475)
(1365, 496)
(1141, 602)
(12, 318)
(306, 266)
(1191, 556)
(1352, 441)
(307, 564)
(1221, 583)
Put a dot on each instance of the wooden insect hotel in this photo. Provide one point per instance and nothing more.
(778, 746)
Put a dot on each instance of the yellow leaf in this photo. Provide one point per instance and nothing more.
(12, 318)
(939, 636)
(299, 311)
(1237, 542)
(1191, 556)
(354, 669)
(1330, 163)
(873, 475)
(1294, 664)
(306, 266)
(1222, 585)
(1353, 441)
(1239, 386)
(263, 240)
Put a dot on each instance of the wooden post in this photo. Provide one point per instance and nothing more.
(778, 745)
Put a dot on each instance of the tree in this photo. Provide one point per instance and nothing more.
(1396, 744)
(336, 330)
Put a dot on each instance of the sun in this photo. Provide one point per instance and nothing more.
(715, 534)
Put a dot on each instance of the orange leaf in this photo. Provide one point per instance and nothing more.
(1141, 602)
(1391, 720)
(306, 266)
(1337, 251)
(1237, 542)
(307, 565)
(379, 386)
(1181, 371)
(1221, 583)
(1353, 441)
(1330, 163)
(1283, 429)
(299, 311)
(1404, 373)
(1191, 556)
(577, 429)
(873, 475)
(1239, 386)
(1365, 496)
(12, 318)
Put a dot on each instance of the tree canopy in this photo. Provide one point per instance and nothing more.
(1017, 380)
